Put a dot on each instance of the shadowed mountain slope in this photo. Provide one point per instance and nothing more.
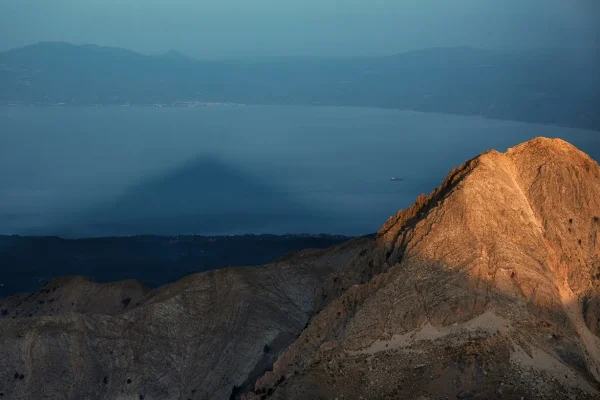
(200, 338)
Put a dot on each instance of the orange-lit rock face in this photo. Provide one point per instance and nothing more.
(503, 253)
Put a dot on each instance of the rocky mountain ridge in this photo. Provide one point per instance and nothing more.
(487, 288)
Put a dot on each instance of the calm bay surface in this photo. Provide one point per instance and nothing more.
(98, 171)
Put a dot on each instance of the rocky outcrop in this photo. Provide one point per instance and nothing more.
(207, 336)
(487, 288)
(75, 295)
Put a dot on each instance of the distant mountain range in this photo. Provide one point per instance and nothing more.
(553, 86)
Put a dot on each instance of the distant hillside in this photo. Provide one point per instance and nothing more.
(27, 262)
(554, 86)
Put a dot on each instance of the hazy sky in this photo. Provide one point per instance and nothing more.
(237, 28)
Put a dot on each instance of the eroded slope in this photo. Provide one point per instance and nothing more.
(203, 337)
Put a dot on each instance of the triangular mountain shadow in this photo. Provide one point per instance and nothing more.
(203, 196)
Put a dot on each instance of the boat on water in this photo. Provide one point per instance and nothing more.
(394, 179)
